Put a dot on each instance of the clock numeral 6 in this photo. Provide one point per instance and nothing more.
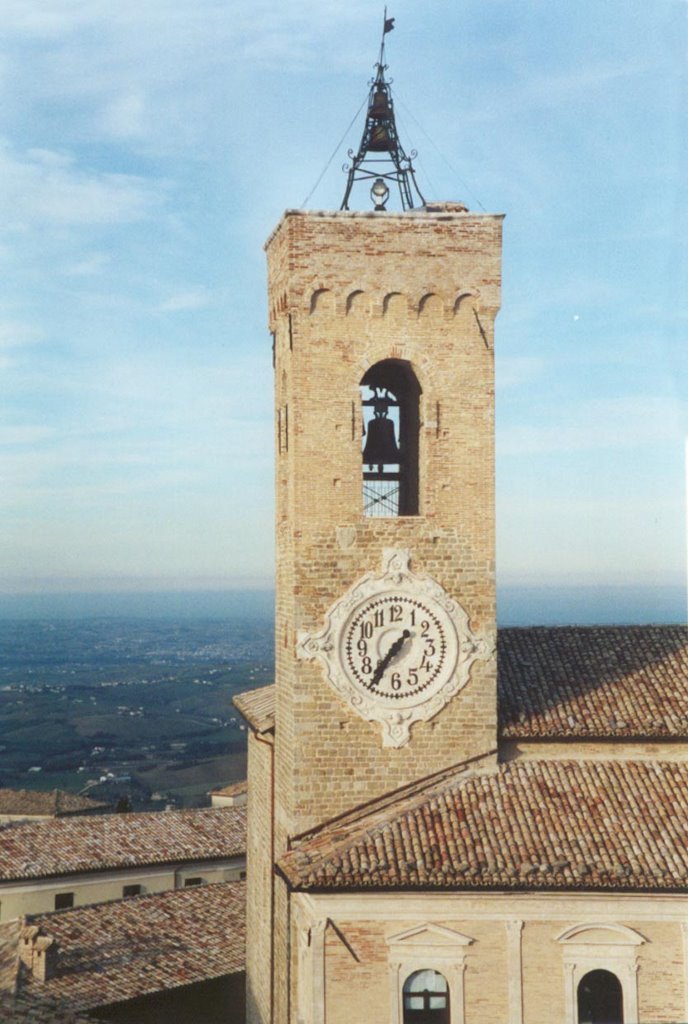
(396, 681)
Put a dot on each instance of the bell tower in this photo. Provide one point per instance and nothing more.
(383, 327)
(385, 618)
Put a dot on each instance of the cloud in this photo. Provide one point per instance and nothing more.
(17, 335)
(187, 300)
(624, 422)
(21, 435)
(515, 371)
(90, 265)
(44, 187)
(125, 117)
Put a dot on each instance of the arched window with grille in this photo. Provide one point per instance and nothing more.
(391, 419)
(600, 998)
(426, 998)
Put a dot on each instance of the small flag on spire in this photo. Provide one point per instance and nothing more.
(389, 25)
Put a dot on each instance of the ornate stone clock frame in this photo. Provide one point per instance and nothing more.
(394, 683)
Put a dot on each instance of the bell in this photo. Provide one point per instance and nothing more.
(379, 140)
(380, 106)
(381, 446)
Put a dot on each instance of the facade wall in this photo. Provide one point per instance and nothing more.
(37, 897)
(259, 881)
(347, 291)
(508, 958)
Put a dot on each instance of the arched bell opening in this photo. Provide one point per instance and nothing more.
(600, 998)
(426, 998)
(390, 397)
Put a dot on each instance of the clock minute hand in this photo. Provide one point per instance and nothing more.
(384, 662)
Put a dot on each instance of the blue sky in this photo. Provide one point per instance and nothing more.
(147, 150)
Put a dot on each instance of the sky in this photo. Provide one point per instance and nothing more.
(148, 149)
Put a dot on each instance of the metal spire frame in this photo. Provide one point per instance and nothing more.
(389, 162)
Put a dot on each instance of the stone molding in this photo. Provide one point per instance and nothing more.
(428, 947)
(593, 946)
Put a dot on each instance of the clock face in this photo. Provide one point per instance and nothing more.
(398, 648)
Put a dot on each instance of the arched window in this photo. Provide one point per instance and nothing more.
(426, 998)
(600, 998)
(391, 420)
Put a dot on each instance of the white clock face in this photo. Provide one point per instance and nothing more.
(398, 648)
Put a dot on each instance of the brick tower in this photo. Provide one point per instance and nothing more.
(382, 328)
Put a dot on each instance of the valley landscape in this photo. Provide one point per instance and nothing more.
(128, 710)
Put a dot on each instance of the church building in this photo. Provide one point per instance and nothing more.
(447, 825)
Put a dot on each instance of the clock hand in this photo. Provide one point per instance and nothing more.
(384, 662)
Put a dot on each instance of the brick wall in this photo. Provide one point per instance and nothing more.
(346, 291)
(638, 937)
(259, 881)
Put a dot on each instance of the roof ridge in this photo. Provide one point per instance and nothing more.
(378, 803)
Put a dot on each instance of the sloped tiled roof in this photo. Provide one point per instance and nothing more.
(573, 682)
(593, 681)
(113, 952)
(258, 707)
(35, 1009)
(40, 849)
(524, 825)
(20, 1007)
(53, 803)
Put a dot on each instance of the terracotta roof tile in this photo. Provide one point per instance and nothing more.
(39, 849)
(24, 1008)
(33, 1009)
(593, 681)
(573, 681)
(258, 707)
(54, 803)
(523, 825)
(117, 951)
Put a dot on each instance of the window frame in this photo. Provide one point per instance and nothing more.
(607, 973)
(593, 947)
(426, 995)
(428, 947)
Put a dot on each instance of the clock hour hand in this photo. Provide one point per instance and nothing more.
(384, 662)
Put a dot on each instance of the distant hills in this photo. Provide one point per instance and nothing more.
(516, 605)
